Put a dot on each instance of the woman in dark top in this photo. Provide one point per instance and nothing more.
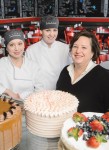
(83, 78)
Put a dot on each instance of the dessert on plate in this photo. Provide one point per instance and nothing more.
(85, 131)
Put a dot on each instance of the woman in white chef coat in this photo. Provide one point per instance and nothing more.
(18, 75)
(51, 55)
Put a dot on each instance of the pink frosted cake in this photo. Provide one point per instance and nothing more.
(47, 110)
(94, 135)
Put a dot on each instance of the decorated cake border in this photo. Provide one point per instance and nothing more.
(14, 108)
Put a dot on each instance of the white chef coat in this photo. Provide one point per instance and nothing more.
(24, 80)
(50, 60)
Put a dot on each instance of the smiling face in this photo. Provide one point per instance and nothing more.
(81, 51)
(49, 35)
(15, 48)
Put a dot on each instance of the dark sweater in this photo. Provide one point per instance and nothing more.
(92, 90)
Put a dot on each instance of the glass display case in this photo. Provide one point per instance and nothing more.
(0, 10)
(81, 8)
(11, 8)
(65, 8)
(29, 8)
(46, 7)
(59, 8)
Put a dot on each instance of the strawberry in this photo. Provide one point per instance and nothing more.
(79, 117)
(80, 132)
(95, 141)
(107, 119)
(75, 132)
(106, 116)
(96, 125)
(92, 142)
(70, 132)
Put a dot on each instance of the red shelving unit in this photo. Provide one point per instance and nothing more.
(61, 19)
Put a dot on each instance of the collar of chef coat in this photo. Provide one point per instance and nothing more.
(22, 73)
(45, 44)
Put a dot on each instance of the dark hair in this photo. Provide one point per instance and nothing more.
(94, 42)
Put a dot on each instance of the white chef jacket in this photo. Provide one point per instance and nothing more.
(50, 60)
(22, 80)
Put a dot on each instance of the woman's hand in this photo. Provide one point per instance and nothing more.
(11, 94)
